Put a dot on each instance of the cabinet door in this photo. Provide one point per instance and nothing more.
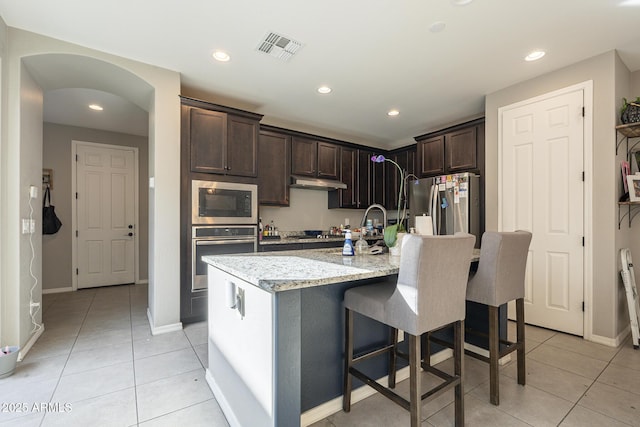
(349, 170)
(405, 160)
(364, 184)
(207, 139)
(273, 168)
(378, 187)
(328, 160)
(431, 156)
(242, 146)
(303, 156)
(461, 150)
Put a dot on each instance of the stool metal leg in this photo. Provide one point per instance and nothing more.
(458, 360)
(522, 373)
(415, 396)
(348, 359)
(393, 358)
(494, 356)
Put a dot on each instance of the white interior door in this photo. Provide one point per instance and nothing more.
(542, 165)
(105, 212)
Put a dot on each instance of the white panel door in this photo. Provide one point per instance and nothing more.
(105, 215)
(542, 191)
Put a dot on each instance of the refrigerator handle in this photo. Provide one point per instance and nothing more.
(435, 212)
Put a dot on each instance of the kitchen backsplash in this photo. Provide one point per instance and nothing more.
(308, 211)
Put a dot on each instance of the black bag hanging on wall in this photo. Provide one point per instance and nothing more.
(50, 222)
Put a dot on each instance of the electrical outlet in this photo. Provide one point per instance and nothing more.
(28, 226)
(33, 192)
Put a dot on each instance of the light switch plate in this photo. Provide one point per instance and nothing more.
(25, 226)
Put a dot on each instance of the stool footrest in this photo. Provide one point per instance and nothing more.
(450, 381)
(372, 353)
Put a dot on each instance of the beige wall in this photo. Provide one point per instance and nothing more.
(56, 248)
(308, 211)
(605, 176)
(22, 166)
(3, 166)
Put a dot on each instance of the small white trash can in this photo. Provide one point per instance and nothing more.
(8, 359)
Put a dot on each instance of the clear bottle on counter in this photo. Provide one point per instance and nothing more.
(260, 230)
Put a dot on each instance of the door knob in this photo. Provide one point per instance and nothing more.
(130, 226)
(130, 234)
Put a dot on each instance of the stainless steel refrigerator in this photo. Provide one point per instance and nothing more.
(452, 202)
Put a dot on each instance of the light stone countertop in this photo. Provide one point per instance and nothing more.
(286, 270)
(281, 271)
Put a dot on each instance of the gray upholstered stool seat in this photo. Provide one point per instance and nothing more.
(429, 293)
(500, 279)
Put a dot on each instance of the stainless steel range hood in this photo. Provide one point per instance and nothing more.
(316, 183)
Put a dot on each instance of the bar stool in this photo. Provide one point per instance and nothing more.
(429, 293)
(500, 279)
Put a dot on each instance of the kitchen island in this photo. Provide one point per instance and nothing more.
(276, 330)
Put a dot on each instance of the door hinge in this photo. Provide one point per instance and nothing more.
(76, 195)
(76, 233)
(582, 240)
(76, 157)
(582, 176)
(582, 305)
(583, 113)
(77, 272)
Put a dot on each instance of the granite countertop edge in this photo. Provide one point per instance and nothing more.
(347, 269)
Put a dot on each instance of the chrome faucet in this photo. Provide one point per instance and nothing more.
(384, 215)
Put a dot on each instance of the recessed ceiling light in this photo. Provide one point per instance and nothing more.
(535, 55)
(324, 89)
(437, 26)
(460, 2)
(393, 113)
(221, 56)
(96, 107)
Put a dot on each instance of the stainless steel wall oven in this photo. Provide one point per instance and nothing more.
(218, 240)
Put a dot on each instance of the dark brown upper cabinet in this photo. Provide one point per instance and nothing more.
(346, 198)
(406, 159)
(274, 153)
(314, 158)
(371, 180)
(455, 149)
(222, 140)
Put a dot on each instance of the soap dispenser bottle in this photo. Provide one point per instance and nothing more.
(347, 249)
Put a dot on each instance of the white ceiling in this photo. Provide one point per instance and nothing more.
(375, 54)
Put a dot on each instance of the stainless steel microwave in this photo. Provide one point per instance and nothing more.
(215, 202)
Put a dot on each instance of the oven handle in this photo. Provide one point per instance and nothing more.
(223, 242)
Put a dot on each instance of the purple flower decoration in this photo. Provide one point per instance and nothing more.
(378, 159)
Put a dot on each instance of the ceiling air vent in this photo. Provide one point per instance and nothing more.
(278, 46)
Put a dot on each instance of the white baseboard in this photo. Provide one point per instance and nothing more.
(321, 412)
(158, 330)
(222, 401)
(611, 342)
(30, 342)
(57, 290)
(484, 352)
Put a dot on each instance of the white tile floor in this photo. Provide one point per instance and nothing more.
(97, 355)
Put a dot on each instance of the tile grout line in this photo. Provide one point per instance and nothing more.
(133, 360)
(68, 355)
(589, 388)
